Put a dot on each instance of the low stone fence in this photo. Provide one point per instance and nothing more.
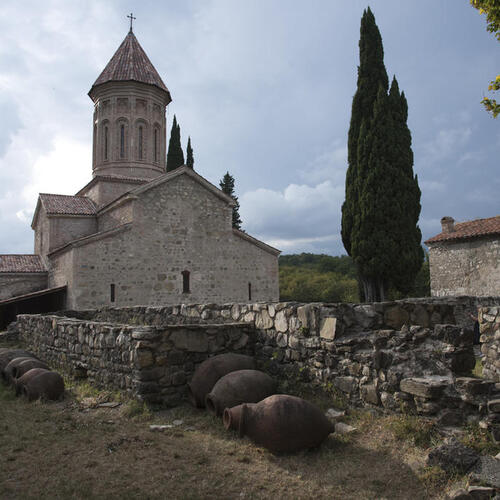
(326, 320)
(489, 320)
(394, 355)
(152, 363)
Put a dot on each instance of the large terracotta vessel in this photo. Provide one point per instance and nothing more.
(242, 386)
(280, 423)
(7, 355)
(45, 385)
(19, 366)
(211, 370)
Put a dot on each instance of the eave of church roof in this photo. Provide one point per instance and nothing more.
(130, 62)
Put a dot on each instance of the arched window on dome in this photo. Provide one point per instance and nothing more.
(122, 141)
(156, 145)
(140, 142)
(105, 141)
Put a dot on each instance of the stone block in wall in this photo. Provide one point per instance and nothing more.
(346, 384)
(430, 387)
(420, 316)
(454, 335)
(143, 357)
(369, 394)
(281, 321)
(366, 316)
(263, 320)
(396, 316)
(308, 317)
(328, 328)
(189, 340)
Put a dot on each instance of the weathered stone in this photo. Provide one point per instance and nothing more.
(328, 328)
(145, 333)
(346, 384)
(395, 317)
(494, 405)
(281, 321)
(382, 359)
(369, 394)
(342, 428)
(263, 320)
(334, 414)
(190, 340)
(365, 315)
(460, 494)
(481, 492)
(143, 358)
(430, 387)
(453, 456)
(241, 342)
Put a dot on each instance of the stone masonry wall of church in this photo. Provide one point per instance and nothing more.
(465, 268)
(12, 284)
(116, 216)
(178, 226)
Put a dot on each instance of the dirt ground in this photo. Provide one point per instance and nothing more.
(76, 449)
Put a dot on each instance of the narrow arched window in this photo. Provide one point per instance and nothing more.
(112, 292)
(140, 143)
(185, 282)
(249, 291)
(122, 141)
(156, 145)
(106, 143)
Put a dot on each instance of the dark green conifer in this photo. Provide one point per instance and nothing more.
(227, 186)
(371, 75)
(175, 155)
(382, 206)
(189, 154)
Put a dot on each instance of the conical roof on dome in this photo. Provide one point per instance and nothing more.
(130, 62)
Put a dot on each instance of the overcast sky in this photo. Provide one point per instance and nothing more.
(264, 88)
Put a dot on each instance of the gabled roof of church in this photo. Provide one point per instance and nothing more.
(130, 62)
(62, 204)
(21, 264)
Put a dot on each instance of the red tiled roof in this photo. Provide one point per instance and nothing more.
(63, 204)
(21, 264)
(130, 62)
(470, 229)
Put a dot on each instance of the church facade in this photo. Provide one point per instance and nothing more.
(136, 235)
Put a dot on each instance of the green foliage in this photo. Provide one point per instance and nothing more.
(492, 10)
(175, 155)
(371, 76)
(227, 187)
(382, 205)
(137, 410)
(321, 263)
(189, 154)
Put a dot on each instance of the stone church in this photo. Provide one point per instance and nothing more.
(136, 235)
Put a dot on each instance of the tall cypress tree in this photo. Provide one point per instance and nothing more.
(227, 186)
(382, 206)
(371, 75)
(189, 154)
(175, 155)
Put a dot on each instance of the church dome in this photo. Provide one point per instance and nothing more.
(130, 63)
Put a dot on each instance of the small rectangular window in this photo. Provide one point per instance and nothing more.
(249, 291)
(185, 282)
(112, 292)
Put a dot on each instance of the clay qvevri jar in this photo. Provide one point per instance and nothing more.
(211, 370)
(20, 382)
(8, 373)
(9, 354)
(280, 423)
(47, 385)
(242, 386)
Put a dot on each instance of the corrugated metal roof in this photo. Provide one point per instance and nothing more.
(130, 62)
(62, 204)
(21, 264)
(469, 229)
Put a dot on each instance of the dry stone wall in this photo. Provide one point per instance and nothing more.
(152, 363)
(407, 354)
(489, 320)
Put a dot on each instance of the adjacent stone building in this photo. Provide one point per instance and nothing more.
(135, 234)
(465, 258)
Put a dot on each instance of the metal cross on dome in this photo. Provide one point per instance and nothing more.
(131, 17)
